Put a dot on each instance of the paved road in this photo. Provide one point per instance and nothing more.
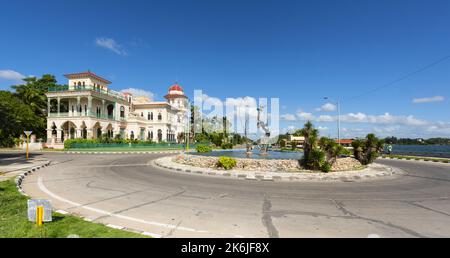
(127, 190)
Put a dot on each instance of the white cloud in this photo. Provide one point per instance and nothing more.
(439, 127)
(328, 107)
(11, 75)
(322, 128)
(383, 119)
(140, 93)
(305, 115)
(288, 117)
(207, 100)
(110, 44)
(428, 100)
(325, 118)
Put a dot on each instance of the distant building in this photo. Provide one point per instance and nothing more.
(293, 141)
(88, 109)
(345, 142)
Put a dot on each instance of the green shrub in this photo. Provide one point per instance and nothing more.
(314, 160)
(368, 149)
(226, 162)
(326, 167)
(203, 148)
(69, 143)
(226, 146)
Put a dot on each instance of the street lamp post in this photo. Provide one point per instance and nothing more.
(28, 133)
(338, 106)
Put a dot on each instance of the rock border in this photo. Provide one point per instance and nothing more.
(374, 171)
(20, 178)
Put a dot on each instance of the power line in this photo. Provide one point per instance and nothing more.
(406, 76)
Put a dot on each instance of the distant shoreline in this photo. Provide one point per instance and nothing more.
(423, 150)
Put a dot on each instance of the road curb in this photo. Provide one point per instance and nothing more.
(419, 159)
(374, 172)
(19, 179)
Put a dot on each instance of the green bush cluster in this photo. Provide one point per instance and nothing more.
(226, 162)
(226, 146)
(202, 148)
(316, 160)
(326, 167)
(319, 154)
(71, 143)
(368, 149)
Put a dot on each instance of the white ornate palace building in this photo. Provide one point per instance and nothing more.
(88, 109)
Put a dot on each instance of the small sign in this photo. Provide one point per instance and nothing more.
(28, 133)
(32, 207)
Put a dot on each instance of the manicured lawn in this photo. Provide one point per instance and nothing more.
(14, 222)
(124, 149)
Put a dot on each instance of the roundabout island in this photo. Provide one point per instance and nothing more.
(344, 169)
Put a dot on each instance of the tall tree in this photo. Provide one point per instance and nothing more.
(15, 117)
(25, 109)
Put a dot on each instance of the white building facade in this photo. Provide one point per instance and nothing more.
(88, 109)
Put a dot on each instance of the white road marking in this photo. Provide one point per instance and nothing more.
(153, 223)
(114, 226)
(62, 212)
(151, 234)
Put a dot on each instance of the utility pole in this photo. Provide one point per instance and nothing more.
(339, 121)
(338, 106)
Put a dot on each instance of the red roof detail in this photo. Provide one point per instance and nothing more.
(86, 74)
(345, 141)
(169, 96)
(175, 87)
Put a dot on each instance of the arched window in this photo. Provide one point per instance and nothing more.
(151, 116)
(132, 135)
(142, 114)
(79, 83)
(159, 116)
(83, 84)
(122, 112)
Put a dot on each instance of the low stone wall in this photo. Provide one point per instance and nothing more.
(288, 165)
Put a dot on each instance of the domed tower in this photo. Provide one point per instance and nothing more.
(176, 97)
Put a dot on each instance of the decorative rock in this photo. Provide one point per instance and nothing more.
(342, 164)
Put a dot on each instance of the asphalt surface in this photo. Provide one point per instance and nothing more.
(126, 190)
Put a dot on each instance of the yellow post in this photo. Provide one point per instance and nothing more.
(39, 215)
(28, 138)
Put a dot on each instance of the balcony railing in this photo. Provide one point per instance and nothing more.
(109, 92)
(83, 114)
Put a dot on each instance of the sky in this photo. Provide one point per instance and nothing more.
(297, 51)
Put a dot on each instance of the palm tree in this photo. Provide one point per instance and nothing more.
(310, 134)
(331, 148)
(367, 150)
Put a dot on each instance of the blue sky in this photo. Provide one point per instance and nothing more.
(298, 51)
